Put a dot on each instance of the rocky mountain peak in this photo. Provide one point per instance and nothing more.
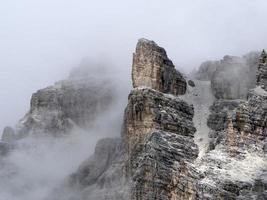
(192, 147)
(152, 68)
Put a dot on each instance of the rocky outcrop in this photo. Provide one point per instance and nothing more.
(219, 113)
(235, 166)
(74, 102)
(156, 128)
(149, 110)
(262, 71)
(168, 149)
(8, 134)
(157, 161)
(152, 68)
(206, 70)
(161, 168)
(232, 77)
(100, 177)
(154, 158)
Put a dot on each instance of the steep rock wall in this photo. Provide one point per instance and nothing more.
(152, 68)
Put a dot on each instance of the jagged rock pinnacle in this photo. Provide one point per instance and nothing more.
(152, 68)
(262, 71)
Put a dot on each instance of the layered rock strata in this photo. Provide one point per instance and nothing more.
(235, 166)
(56, 110)
(152, 68)
(262, 71)
(232, 77)
(154, 158)
(160, 146)
(157, 156)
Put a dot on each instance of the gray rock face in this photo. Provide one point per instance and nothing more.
(75, 102)
(156, 157)
(219, 112)
(235, 167)
(262, 71)
(8, 134)
(100, 177)
(157, 127)
(91, 171)
(162, 167)
(152, 68)
(5, 148)
(148, 110)
(231, 77)
(191, 83)
(206, 70)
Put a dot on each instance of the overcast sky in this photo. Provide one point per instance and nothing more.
(40, 40)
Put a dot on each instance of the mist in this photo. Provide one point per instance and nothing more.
(41, 41)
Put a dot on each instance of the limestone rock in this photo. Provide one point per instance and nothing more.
(74, 102)
(154, 158)
(148, 110)
(100, 177)
(206, 70)
(219, 112)
(262, 71)
(5, 148)
(191, 83)
(158, 138)
(162, 167)
(152, 68)
(235, 167)
(232, 77)
(8, 134)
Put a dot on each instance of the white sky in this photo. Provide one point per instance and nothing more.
(40, 40)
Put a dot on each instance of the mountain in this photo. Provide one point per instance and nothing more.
(202, 138)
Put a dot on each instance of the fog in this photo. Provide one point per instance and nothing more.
(42, 40)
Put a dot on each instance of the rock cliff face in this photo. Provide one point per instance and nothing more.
(159, 131)
(154, 158)
(152, 68)
(235, 165)
(231, 77)
(202, 141)
(74, 102)
(159, 146)
(262, 71)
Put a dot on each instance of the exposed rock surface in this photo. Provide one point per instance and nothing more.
(235, 167)
(171, 147)
(262, 71)
(231, 77)
(191, 83)
(148, 110)
(155, 156)
(206, 70)
(74, 102)
(219, 112)
(8, 134)
(201, 98)
(152, 68)
(158, 161)
(100, 177)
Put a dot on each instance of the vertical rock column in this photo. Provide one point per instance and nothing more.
(159, 130)
(262, 71)
(152, 68)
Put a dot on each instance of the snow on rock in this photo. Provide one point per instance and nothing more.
(201, 98)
